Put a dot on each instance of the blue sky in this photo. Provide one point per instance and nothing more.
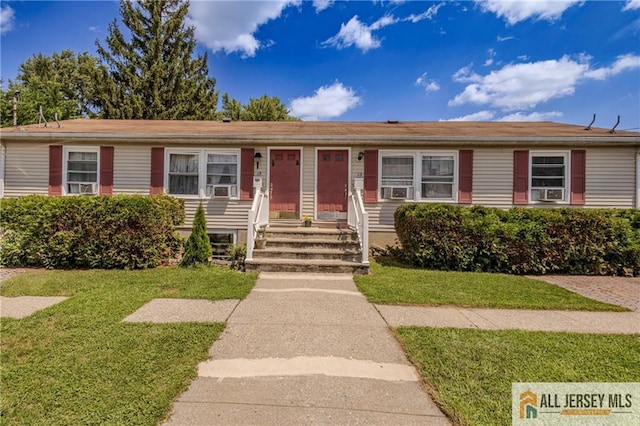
(376, 60)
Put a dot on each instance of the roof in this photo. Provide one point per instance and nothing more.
(282, 131)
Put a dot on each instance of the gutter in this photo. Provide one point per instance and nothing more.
(324, 139)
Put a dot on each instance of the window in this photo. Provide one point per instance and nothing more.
(222, 175)
(549, 176)
(221, 242)
(397, 176)
(183, 174)
(204, 173)
(81, 171)
(437, 177)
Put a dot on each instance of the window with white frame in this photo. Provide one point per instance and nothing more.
(204, 172)
(81, 171)
(438, 177)
(549, 176)
(183, 173)
(397, 176)
(222, 175)
(221, 242)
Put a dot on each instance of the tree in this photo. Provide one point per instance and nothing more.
(231, 108)
(65, 81)
(198, 248)
(153, 76)
(266, 109)
(46, 95)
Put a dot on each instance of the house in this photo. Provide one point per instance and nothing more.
(248, 174)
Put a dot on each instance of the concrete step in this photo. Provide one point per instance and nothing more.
(306, 265)
(299, 233)
(351, 253)
(311, 243)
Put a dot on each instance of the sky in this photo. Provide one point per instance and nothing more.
(490, 60)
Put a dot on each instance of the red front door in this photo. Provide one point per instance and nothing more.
(333, 180)
(284, 188)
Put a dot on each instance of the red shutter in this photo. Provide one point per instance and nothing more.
(521, 177)
(465, 176)
(106, 170)
(578, 177)
(157, 171)
(246, 173)
(55, 170)
(371, 176)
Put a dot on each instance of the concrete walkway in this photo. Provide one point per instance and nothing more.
(306, 349)
(512, 319)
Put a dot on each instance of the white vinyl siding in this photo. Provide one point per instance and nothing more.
(493, 177)
(308, 181)
(131, 169)
(610, 177)
(26, 169)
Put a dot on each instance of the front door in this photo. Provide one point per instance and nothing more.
(333, 180)
(284, 187)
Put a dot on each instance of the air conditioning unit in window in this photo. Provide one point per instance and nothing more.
(551, 194)
(397, 192)
(219, 191)
(82, 188)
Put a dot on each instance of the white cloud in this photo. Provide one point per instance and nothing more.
(6, 19)
(321, 5)
(230, 26)
(430, 13)
(465, 75)
(526, 85)
(429, 85)
(515, 11)
(488, 62)
(631, 5)
(534, 116)
(476, 116)
(507, 38)
(622, 63)
(355, 33)
(327, 102)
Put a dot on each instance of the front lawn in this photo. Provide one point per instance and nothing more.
(391, 283)
(469, 372)
(78, 363)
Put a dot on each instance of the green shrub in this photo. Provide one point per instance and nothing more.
(198, 248)
(520, 240)
(107, 232)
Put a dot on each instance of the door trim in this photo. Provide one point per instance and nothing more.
(315, 174)
(301, 177)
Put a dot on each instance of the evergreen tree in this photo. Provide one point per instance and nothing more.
(154, 76)
(265, 108)
(231, 108)
(65, 82)
(198, 248)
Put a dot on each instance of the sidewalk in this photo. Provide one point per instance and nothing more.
(508, 319)
(301, 349)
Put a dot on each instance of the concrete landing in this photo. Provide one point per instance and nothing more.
(301, 349)
(23, 306)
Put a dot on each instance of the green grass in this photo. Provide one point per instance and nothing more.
(469, 372)
(391, 283)
(77, 363)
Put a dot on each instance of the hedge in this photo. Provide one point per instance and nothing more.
(108, 232)
(520, 240)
